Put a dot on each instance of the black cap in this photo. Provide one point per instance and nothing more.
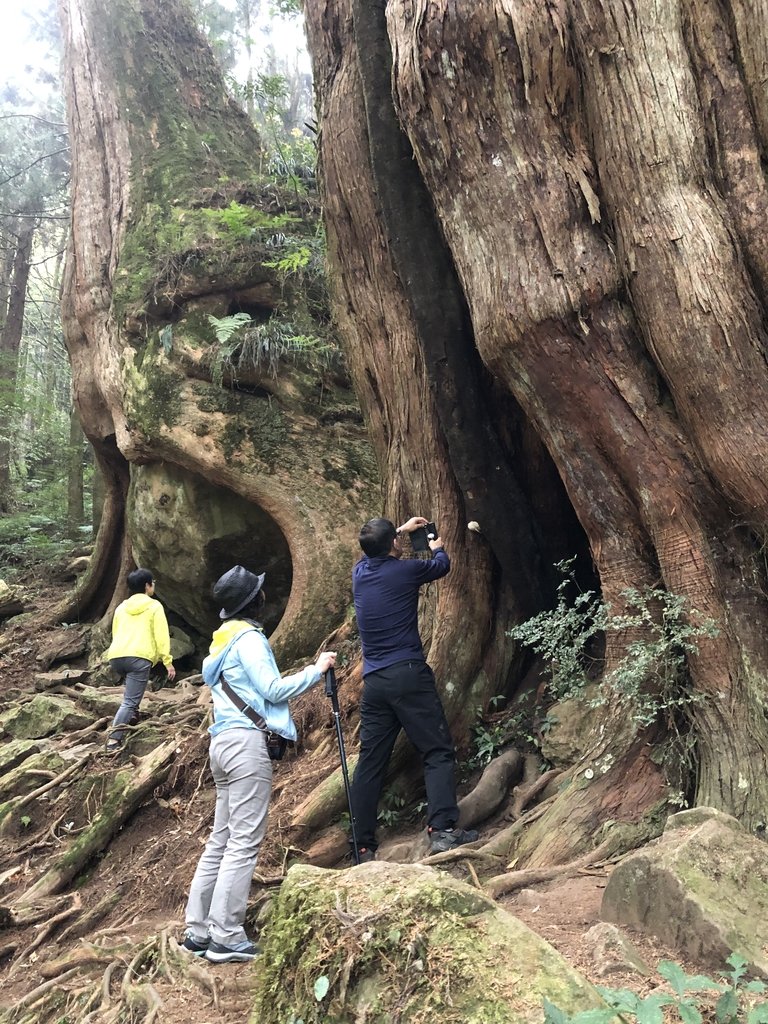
(236, 589)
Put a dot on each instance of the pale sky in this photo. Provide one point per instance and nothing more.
(19, 53)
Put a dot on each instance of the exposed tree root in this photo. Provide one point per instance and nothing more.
(86, 922)
(525, 794)
(16, 803)
(49, 927)
(129, 789)
(73, 738)
(501, 884)
(491, 790)
(105, 986)
(31, 913)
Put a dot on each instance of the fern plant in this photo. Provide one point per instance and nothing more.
(224, 327)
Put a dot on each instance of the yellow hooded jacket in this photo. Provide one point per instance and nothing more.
(140, 630)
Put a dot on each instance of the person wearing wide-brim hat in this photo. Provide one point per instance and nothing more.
(240, 660)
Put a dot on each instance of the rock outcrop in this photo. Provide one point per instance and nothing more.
(701, 888)
(390, 942)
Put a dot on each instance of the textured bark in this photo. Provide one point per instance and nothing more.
(75, 503)
(595, 173)
(153, 132)
(410, 349)
(10, 338)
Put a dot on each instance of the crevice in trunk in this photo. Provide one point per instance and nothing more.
(492, 493)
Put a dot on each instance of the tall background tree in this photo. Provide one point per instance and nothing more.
(34, 371)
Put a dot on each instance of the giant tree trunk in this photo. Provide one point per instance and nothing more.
(611, 291)
(159, 151)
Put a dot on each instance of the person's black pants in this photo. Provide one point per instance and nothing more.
(403, 696)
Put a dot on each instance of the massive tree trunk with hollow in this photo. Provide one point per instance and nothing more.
(173, 232)
(546, 228)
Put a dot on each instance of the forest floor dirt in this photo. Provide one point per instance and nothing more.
(147, 866)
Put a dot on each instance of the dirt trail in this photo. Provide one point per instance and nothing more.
(124, 906)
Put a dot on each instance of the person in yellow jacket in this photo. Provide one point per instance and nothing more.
(140, 639)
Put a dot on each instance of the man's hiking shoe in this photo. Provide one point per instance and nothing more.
(240, 954)
(197, 947)
(365, 855)
(447, 839)
(113, 746)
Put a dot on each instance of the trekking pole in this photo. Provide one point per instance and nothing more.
(332, 692)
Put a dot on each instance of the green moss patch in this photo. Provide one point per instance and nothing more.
(390, 942)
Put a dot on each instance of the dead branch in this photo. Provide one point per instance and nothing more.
(506, 883)
(473, 875)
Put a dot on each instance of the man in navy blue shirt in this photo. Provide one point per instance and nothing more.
(399, 687)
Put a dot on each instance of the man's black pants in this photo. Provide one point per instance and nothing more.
(403, 696)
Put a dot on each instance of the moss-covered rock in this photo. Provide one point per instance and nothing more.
(19, 780)
(97, 702)
(44, 715)
(387, 942)
(13, 753)
(702, 888)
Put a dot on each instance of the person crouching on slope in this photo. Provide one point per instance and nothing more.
(249, 700)
(140, 639)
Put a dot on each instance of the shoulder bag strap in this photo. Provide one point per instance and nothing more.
(241, 705)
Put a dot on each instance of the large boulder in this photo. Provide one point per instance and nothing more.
(11, 601)
(391, 942)
(702, 888)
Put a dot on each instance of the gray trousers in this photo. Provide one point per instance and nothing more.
(135, 672)
(218, 897)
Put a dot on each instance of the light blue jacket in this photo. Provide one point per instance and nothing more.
(240, 650)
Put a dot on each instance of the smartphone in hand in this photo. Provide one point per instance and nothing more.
(421, 537)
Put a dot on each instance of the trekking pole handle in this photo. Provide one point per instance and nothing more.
(330, 683)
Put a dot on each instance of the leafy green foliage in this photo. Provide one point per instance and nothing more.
(735, 1004)
(294, 261)
(392, 808)
(658, 629)
(224, 327)
(29, 538)
(263, 346)
(243, 222)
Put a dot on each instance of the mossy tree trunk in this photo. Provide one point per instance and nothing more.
(571, 207)
(172, 225)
